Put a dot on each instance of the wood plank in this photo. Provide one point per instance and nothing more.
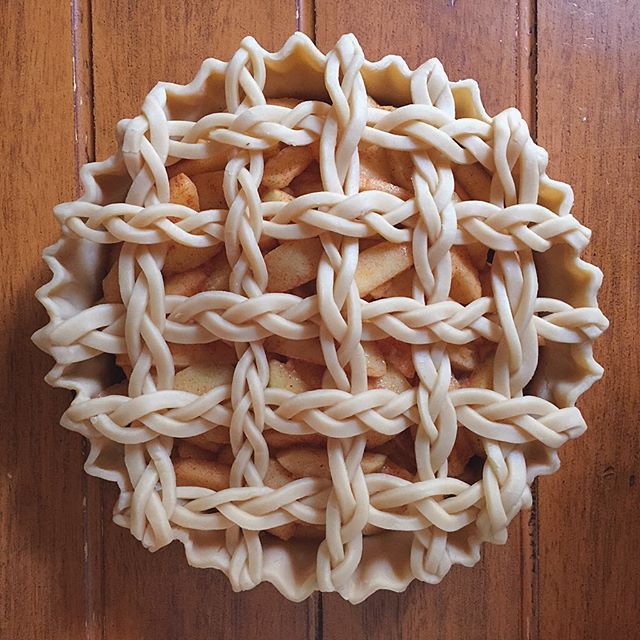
(472, 39)
(588, 97)
(159, 595)
(495, 598)
(41, 514)
(168, 41)
(468, 603)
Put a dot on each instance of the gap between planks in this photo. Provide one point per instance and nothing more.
(82, 73)
(306, 23)
(526, 99)
(306, 17)
(84, 143)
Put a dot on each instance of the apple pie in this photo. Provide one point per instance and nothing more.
(326, 319)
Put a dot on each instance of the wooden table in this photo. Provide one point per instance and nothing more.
(571, 568)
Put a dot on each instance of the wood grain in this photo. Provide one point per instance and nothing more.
(134, 46)
(588, 96)
(478, 40)
(41, 485)
(138, 43)
(159, 596)
(495, 598)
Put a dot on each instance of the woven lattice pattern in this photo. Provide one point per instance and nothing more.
(524, 214)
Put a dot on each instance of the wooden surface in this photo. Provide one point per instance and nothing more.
(589, 521)
(69, 73)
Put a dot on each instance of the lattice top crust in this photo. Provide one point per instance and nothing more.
(483, 253)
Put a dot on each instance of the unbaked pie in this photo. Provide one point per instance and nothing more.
(342, 321)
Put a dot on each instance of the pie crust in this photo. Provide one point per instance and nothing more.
(542, 292)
